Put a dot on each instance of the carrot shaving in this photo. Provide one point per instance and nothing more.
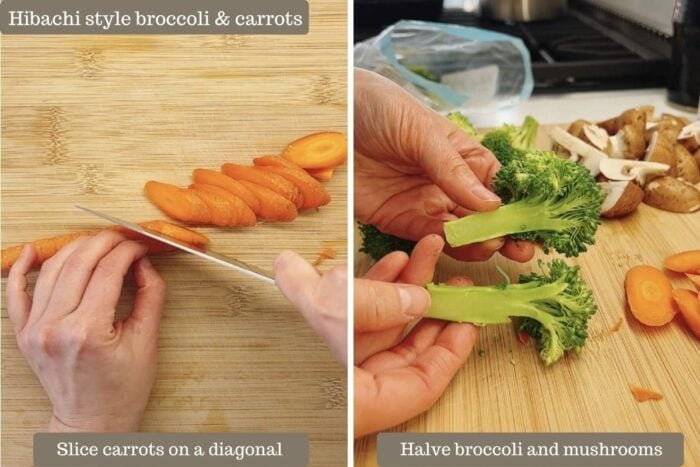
(614, 328)
(325, 254)
(643, 395)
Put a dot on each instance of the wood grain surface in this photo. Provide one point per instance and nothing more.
(504, 387)
(89, 119)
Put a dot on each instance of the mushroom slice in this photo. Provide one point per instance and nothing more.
(621, 198)
(661, 149)
(690, 136)
(686, 165)
(671, 194)
(589, 156)
(623, 169)
(597, 136)
(629, 142)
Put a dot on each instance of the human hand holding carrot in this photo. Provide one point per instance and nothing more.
(96, 371)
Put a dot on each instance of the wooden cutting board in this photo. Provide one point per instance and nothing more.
(504, 387)
(89, 119)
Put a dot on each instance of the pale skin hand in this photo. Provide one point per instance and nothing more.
(322, 299)
(96, 371)
(415, 170)
(398, 378)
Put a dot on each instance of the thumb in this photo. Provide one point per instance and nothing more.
(144, 320)
(383, 305)
(448, 170)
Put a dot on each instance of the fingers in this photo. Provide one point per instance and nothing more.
(381, 305)
(148, 304)
(105, 285)
(421, 266)
(447, 169)
(388, 268)
(297, 280)
(78, 269)
(476, 251)
(521, 251)
(19, 304)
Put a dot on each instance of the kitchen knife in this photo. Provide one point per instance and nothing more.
(207, 254)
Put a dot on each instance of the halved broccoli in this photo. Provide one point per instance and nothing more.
(553, 307)
(464, 124)
(378, 244)
(549, 199)
(510, 142)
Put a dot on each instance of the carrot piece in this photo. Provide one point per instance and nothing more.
(649, 295)
(322, 175)
(695, 279)
(178, 232)
(240, 213)
(318, 150)
(685, 261)
(312, 191)
(221, 210)
(614, 328)
(178, 203)
(276, 161)
(273, 206)
(268, 180)
(326, 253)
(211, 177)
(45, 248)
(643, 394)
(689, 305)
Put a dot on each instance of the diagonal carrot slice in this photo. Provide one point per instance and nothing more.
(240, 213)
(313, 192)
(266, 179)
(322, 175)
(318, 150)
(212, 177)
(178, 203)
(273, 206)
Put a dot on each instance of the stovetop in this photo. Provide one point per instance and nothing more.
(586, 49)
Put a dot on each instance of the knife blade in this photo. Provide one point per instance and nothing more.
(207, 254)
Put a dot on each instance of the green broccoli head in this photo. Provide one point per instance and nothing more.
(549, 200)
(378, 244)
(568, 312)
(464, 124)
(553, 307)
(510, 142)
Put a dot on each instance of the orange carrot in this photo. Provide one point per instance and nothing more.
(689, 305)
(211, 177)
(312, 191)
(268, 180)
(685, 261)
(240, 213)
(221, 210)
(47, 247)
(318, 151)
(326, 253)
(178, 203)
(695, 279)
(643, 394)
(649, 295)
(273, 206)
(322, 175)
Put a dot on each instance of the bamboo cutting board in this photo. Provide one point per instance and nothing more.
(89, 119)
(504, 387)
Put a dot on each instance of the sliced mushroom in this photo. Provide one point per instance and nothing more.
(686, 166)
(598, 137)
(621, 198)
(636, 116)
(671, 194)
(647, 110)
(697, 157)
(622, 169)
(661, 149)
(588, 155)
(689, 136)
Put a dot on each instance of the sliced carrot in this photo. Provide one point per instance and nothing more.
(318, 151)
(326, 253)
(47, 247)
(240, 213)
(649, 295)
(323, 175)
(695, 279)
(643, 394)
(273, 206)
(212, 177)
(178, 203)
(689, 305)
(312, 191)
(685, 261)
(268, 180)
(221, 210)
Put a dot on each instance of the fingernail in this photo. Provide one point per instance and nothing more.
(415, 300)
(494, 244)
(484, 194)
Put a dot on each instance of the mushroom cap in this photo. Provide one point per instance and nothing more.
(686, 165)
(661, 149)
(633, 135)
(670, 194)
(621, 198)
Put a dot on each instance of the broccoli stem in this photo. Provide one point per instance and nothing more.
(492, 305)
(518, 217)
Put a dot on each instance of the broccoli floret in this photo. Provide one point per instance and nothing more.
(424, 72)
(553, 307)
(464, 124)
(510, 142)
(550, 200)
(378, 244)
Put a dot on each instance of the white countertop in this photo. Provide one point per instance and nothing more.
(563, 108)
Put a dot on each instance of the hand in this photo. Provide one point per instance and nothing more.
(98, 373)
(321, 298)
(396, 377)
(415, 170)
